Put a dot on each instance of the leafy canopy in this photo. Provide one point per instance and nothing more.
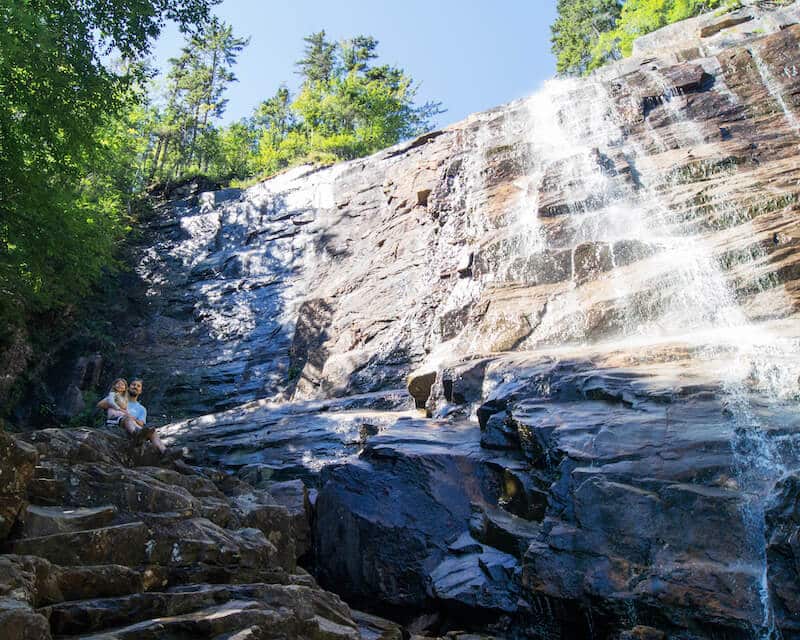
(67, 117)
(345, 108)
(589, 33)
(578, 26)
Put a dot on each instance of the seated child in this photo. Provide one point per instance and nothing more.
(117, 398)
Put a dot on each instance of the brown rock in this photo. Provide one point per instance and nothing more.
(419, 386)
(17, 463)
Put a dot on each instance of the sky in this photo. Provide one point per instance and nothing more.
(470, 55)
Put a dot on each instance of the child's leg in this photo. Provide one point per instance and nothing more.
(160, 446)
(129, 424)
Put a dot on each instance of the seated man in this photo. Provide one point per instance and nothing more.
(139, 414)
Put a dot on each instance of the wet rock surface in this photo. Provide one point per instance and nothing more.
(616, 498)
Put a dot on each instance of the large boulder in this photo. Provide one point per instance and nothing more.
(383, 523)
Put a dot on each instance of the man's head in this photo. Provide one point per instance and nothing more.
(135, 388)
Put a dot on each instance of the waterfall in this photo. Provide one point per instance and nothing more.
(656, 279)
(636, 256)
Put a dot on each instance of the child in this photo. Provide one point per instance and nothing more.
(117, 398)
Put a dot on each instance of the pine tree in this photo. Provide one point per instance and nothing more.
(357, 52)
(576, 31)
(274, 116)
(197, 81)
(319, 63)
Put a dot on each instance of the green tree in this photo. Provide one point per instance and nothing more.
(319, 63)
(65, 111)
(197, 81)
(639, 17)
(577, 29)
(589, 33)
(217, 50)
(275, 117)
(345, 107)
(357, 52)
(236, 151)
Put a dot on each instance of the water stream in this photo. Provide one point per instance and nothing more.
(652, 274)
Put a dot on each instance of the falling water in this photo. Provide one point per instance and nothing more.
(672, 284)
(774, 90)
(669, 282)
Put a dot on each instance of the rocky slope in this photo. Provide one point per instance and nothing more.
(539, 370)
(104, 542)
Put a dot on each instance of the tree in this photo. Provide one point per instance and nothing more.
(197, 81)
(639, 17)
(589, 33)
(275, 116)
(358, 109)
(319, 62)
(577, 29)
(357, 52)
(61, 207)
(216, 52)
(236, 151)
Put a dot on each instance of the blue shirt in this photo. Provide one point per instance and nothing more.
(137, 410)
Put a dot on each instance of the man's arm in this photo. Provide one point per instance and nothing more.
(139, 415)
(105, 405)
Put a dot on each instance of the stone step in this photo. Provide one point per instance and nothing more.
(205, 624)
(208, 611)
(41, 521)
(93, 615)
(83, 616)
(125, 544)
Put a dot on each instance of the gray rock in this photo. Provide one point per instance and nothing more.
(43, 521)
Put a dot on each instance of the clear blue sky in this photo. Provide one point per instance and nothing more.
(469, 54)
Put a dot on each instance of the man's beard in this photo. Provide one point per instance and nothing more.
(133, 396)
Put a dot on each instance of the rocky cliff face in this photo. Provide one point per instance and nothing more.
(540, 369)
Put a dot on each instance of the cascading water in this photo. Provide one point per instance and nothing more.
(652, 274)
(774, 89)
(612, 266)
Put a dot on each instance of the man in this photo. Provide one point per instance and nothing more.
(136, 424)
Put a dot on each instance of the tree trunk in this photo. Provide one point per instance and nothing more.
(195, 125)
(154, 163)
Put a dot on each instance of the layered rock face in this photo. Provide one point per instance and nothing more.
(540, 368)
(109, 543)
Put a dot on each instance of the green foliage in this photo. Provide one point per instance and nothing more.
(345, 108)
(643, 16)
(67, 132)
(81, 140)
(578, 26)
(185, 139)
(319, 63)
(589, 33)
